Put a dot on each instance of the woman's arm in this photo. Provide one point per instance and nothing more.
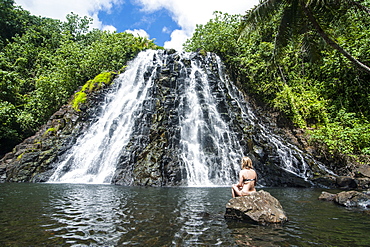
(255, 181)
(241, 179)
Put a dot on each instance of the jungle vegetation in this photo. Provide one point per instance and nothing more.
(44, 61)
(309, 59)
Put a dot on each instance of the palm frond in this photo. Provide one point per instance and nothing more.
(311, 47)
(359, 6)
(285, 29)
(290, 25)
(262, 12)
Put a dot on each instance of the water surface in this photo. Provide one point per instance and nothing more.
(108, 215)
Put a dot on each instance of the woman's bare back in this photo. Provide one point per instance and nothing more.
(249, 177)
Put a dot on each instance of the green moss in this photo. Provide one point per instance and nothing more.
(20, 156)
(203, 52)
(99, 81)
(50, 130)
(79, 98)
(105, 78)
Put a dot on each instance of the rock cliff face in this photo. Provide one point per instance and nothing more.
(33, 159)
(160, 146)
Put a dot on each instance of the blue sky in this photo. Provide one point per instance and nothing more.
(169, 22)
(158, 24)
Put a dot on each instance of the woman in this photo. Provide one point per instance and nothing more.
(247, 179)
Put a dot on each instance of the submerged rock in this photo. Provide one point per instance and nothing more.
(326, 196)
(348, 198)
(260, 207)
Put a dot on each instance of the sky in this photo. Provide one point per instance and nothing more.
(168, 22)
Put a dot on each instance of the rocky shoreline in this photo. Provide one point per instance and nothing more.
(352, 199)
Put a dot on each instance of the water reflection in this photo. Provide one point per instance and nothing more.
(199, 223)
(106, 215)
(88, 214)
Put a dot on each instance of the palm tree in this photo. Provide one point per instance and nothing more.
(296, 14)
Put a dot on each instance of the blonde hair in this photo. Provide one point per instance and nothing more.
(246, 163)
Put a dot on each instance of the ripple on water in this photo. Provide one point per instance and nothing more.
(104, 215)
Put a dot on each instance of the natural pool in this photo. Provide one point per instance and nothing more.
(108, 215)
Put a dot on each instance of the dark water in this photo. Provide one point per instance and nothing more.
(108, 215)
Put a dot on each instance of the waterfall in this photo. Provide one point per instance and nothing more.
(94, 157)
(210, 150)
(176, 119)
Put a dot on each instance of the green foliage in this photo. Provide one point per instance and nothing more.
(9, 128)
(90, 86)
(43, 62)
(301, 105)
(219, 35)
(304, 78)
(99, 81)
(12, 21)
(76, 26)
(346, 135)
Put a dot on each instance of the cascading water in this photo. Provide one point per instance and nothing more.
(94, 157)
(176, 119)
(210, 150)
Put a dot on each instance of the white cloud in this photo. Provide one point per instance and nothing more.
(138, 33)
(186, 13)
(178, 37)
(166, 30)
(109, 28)
(58, 9)
(191, 12)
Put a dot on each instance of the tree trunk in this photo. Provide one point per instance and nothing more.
(332, 43)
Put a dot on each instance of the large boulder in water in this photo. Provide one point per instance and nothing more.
(260, 207)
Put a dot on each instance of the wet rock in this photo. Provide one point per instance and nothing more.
(345, 182)
(260, 207)
(326, 181)
(326, 196)
(348, 198)
(152, 157)
(363, 171)
(363, 183)
(362, 176)
(353, 199)
(33, 159)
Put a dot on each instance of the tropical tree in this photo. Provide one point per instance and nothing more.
(43, 61)
(302, 17)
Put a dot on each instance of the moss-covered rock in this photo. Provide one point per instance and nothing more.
(91, 86)
(33, 160)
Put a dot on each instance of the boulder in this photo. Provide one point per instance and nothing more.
(326, 196)
(260, 207)
(348, 198)
(363, 183)
(353, 199)
(363, 171)
(362, 176)
(345, 182)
